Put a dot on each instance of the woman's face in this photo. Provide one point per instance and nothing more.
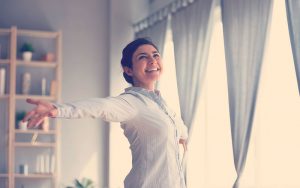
(146, 66)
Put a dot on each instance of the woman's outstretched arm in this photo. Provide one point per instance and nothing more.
(117, 109)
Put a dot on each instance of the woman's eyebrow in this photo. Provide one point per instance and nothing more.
(142, 53)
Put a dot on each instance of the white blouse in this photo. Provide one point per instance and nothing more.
(151, 128)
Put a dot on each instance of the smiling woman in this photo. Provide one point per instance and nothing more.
(153, 130)
(141, 63)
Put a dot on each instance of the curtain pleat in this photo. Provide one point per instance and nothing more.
(245, 26)
(191, 28)
(293, 15)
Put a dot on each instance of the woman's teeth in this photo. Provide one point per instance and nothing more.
(151, 70)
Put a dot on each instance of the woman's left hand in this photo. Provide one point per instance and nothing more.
(184, 144)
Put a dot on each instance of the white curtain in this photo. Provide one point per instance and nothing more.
(293, 14)
(156, 32)
(191, 28)
(245, 26)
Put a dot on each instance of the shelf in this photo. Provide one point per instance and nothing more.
(40, 97)
(3, 175)
(4, 96)
(35, 131)
(37, 64)
(4, 31)
(42, 34)
(31, 139)
(4, 61)
(36, 144)
(33, 176)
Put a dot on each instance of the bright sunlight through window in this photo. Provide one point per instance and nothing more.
(273, 157)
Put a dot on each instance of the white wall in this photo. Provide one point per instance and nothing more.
(122, 16)
(84, 25)
(94, 34)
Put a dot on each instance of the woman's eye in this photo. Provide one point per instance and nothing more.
(156, 55)
(141, 57)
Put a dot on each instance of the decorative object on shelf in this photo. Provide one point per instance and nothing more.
(26, 83)
(45, 124)
(19, 117)
(43, 86)
(2, 81)
(22, 125)
(45, 164)
(34, 138)
(27, 50)
(53, 88)
(49, 57)
(24, 169)
(52, 164)
(84, 183)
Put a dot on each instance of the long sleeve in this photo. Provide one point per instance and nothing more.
(183, 131)
(116, 109)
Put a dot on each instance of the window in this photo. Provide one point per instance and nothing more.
(273, 160)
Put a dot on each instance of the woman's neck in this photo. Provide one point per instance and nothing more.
(149, 87)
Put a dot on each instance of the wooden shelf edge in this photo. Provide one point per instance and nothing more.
(42, 34)
(4, 61)
(3, 175)
(37, 64)
(4, 96)
(42, 97)
(33, 175)
(4, 31)
(34, 131)
(36, 144)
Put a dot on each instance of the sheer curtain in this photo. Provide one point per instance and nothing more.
(293, 14)
(191, 29)
(156, 32)
(245, 25)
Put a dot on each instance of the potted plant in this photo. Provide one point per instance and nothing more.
(19, 117)
(27, 50)
(84, 183)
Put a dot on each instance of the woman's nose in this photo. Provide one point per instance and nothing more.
(151, 60)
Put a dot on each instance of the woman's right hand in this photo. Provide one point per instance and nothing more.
(37, 115)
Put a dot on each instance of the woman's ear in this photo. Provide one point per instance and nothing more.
(128, 71)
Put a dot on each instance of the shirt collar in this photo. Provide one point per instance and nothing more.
(143, 91)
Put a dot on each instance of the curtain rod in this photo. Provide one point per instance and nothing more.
(161, 14)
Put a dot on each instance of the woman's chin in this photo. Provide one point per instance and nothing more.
(154, 77)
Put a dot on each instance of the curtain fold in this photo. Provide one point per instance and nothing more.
(245, 27)
(293, 15)
(191, 29)
(156, 32)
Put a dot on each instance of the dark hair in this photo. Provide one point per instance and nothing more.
(128, 52)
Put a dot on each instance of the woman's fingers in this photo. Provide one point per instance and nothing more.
(184, 144)
(33, 101)
(29, 115)
(36, 116)
(35, 121)
(38, 119)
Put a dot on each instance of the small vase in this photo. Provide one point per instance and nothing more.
(22, 125)
(26, 83)
(27, 56)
